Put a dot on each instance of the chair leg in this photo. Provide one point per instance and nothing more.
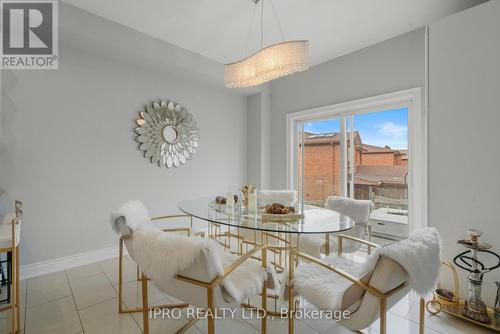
(291, 298)
(145, 304)
(211, 310)
(18, 306)
(421, 323)
(13, 301)
(263, 325)
(383, 315)
(120, 277)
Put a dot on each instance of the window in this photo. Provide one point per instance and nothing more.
(367, 149)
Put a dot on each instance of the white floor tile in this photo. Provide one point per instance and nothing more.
(165, 325)
(47, 288)
(403, 307)
(228, 325)
(338, 329)
(110, 268)
(132, 294)
(56, 317)
(280, 326)
(92, 290)
(104, 318)
(399, 325)
(83, 271)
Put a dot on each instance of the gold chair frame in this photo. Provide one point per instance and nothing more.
(210, 286)
(188, 230)
(294, 257)
(14, 287)
(327, 238)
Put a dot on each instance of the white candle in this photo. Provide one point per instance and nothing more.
(230, 199)
(252, 203)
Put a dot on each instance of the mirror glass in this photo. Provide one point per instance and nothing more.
(170, 134)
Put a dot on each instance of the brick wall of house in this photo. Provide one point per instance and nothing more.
(378, 159)
(321, 171)
(400, 161)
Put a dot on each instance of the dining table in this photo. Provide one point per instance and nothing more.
(238, 222)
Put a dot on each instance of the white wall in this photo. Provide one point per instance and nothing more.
(254, 139)
(464, 116)
(68, 148)
(259, 139)
(392, 65)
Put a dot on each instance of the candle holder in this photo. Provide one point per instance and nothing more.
(246, 190)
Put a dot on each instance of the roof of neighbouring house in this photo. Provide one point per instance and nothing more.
(374, 175)
(330, 137)
(386, 149)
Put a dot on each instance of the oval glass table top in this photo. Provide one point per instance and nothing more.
(316, 220)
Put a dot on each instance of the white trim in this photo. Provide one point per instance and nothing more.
(417, 141)
(67, 262)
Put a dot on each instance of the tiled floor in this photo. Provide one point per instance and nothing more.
(84, 300)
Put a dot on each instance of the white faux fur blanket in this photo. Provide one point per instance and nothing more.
(358, 210)
(322, 287)
(285, 197)
(419, 255)
(163, 255)
(132, 214)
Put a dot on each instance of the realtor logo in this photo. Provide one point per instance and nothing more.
(29, 34)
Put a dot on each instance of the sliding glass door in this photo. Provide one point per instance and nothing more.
(361, 154)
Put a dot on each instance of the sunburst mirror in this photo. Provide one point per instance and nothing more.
(167, 133)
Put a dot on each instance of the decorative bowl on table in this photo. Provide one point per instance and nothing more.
(278, 211)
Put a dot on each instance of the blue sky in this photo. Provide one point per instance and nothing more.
(388, 127)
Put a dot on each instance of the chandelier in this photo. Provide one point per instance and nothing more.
(269, 62)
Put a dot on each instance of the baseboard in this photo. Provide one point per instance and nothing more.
(63, 263)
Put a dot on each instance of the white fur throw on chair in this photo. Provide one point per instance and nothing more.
(358, 210)
(419, 256)
(132, 214)
(285, 197)
(162, 255)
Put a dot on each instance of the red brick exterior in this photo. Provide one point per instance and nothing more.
(322, 166)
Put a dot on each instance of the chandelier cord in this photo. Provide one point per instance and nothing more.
(262, 25)
(247, 41)
(276, 17)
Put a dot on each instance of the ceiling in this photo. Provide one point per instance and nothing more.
(219, 29)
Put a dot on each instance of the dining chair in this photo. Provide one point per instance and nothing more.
(198, 285)
(10, 231)
(145, 213)
(358, 210)
(341, 282)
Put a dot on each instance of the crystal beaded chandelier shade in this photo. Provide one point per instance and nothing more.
(268, 63)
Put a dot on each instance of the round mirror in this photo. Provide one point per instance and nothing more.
(170, 134)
